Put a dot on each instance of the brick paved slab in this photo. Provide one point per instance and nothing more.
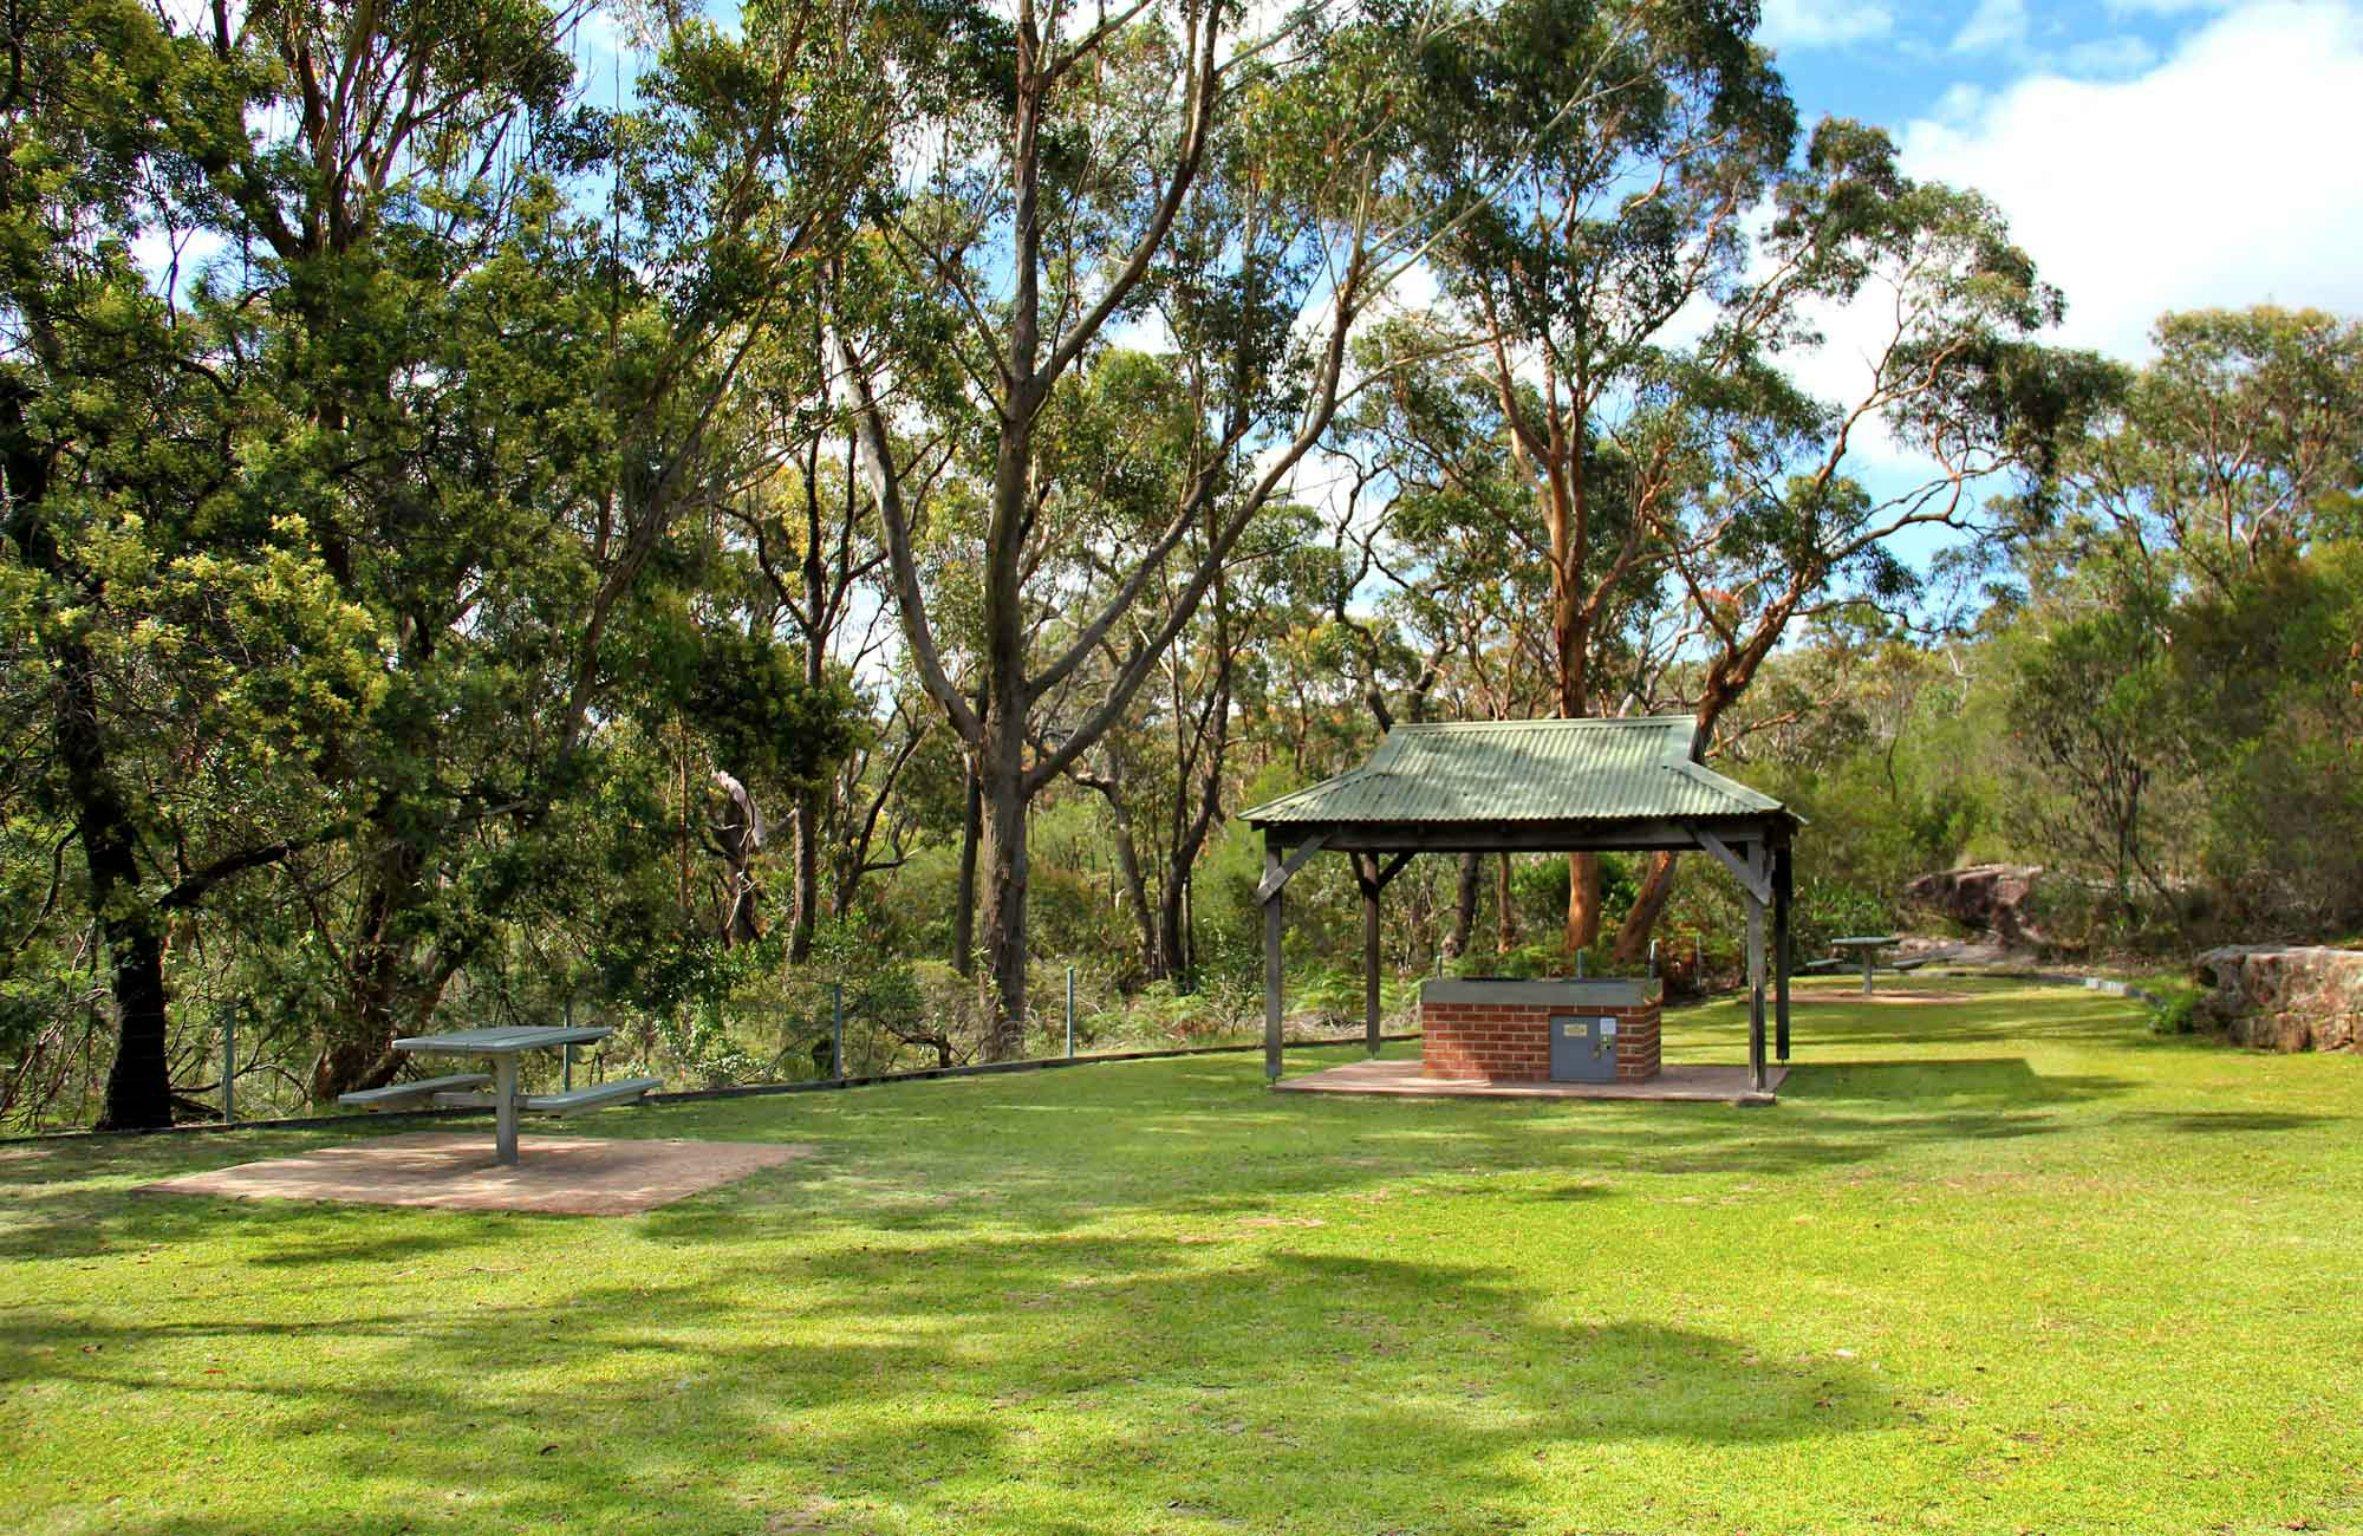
(557, 1175)
(1678, 1083)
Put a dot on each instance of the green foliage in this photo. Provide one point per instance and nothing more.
(1828, 909)
(438, 584)
(2176, 1009)
(758, 715)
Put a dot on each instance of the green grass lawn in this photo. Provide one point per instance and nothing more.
(2010, 1265)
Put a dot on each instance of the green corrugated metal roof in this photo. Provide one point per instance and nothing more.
(1520, 771)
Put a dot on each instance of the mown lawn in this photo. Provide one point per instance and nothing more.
(2010, 1265)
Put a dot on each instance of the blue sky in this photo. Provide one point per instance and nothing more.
(2151, 154)
(1892, 62)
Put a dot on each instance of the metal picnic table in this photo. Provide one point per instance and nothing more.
(1867, 947)
(504, 1047)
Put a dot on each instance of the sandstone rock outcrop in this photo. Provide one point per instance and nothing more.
(1984, 898)
(2284, 997)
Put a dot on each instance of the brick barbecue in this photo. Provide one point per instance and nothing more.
(1503, 1030)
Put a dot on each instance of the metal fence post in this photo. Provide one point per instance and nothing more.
(1070, 1013)
(566, 1081)
(837, 1030)
(230, 1062)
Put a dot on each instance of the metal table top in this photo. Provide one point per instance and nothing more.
(502, 1042)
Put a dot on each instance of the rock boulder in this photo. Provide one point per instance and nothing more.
(1983, 898)
(2284, 997)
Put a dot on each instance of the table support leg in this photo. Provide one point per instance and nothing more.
(504, 1109)
(1868, 962)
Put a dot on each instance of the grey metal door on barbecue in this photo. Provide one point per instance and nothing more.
(1583, 1050)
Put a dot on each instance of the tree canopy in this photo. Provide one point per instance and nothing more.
(866, 505)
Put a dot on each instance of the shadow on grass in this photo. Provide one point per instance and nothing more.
(84, 1198)
(1947, 1079)
(1045, 1153)
(1115, 1380)
(1050, 1154)
(2217, 1122)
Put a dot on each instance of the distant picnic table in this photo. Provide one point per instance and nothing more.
(1866, 946)
(497, 1090)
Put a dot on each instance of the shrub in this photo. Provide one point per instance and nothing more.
(2175, 1009)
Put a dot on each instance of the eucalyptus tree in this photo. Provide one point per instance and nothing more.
(1430, 608)
(800, 555)
(2226, 450)
(2182, 677)
(1165, 769)
(1102, 160)
(1776, 520)
(1608, 221)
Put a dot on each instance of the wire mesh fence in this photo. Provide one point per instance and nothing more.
(235, 1065)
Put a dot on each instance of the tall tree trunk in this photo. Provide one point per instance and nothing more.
(816, 611)
(1001, 881)
(139, 1083)
(1136, 886)
(1197, 797)
(1505, 910)
(361, 1053)
(1001, 728)
(807, 875)
(1649, 905)
(1569, 523)
(1464, 905)
(394, 888)
(964, 899)
(1583, 901)
(1173, 941)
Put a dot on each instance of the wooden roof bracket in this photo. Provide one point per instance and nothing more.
(1279, 875)
(1753, 872)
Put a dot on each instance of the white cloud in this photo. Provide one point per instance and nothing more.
(2121, 55)
(1960, 100)
(1995, 24)
(2221, 177)
(1824, 23)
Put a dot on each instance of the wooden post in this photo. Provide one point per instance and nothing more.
(1783, 889)
(1370, 889)
(1272, 882)
(1755, 993)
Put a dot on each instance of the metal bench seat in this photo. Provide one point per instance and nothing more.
(395, 1095)
(1909, 966)
(622, 1090)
